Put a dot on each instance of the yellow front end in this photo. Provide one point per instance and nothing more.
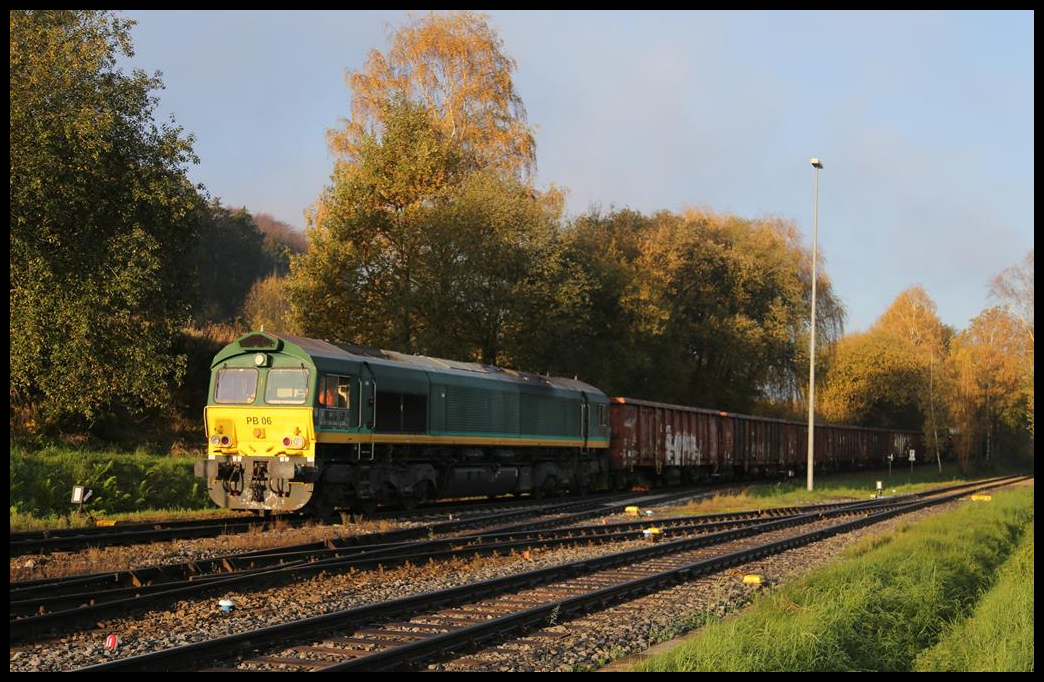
(260, 432)
(259, 458)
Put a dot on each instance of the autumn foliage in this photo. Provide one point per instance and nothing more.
(455, 67)
(431, 238)
(971, 391)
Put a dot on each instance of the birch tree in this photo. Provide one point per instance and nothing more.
(454, 65)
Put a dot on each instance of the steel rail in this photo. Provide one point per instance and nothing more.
(463, 594)
(386, 539)
(47, 601)
(34, 607)
(24, 596)
(143, 533)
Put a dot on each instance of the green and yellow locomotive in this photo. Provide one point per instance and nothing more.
(301, 424)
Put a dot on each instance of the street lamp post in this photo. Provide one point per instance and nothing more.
(818, 165)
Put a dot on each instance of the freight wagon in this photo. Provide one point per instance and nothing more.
(656, 442)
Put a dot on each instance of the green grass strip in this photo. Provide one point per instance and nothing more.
(42, 481)
(834, 487)
(998, 637)
(890, 598)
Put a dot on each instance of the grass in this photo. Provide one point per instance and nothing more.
(998, 636)
(829, 488)
(42, 480)
(888, 600)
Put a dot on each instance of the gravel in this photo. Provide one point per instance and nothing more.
(591, 641)
(579, 644)
(98, 560)
(193, 621)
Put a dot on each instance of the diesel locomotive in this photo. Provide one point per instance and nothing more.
(294, 422)
(300, 424)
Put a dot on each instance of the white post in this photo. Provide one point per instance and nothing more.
(817, 165)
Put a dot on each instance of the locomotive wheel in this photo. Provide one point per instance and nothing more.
(321, 511)
(365, 507)
(419, 494)
(422, 492)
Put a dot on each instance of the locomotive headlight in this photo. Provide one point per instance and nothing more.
(261, 360)
(298, 442)
(215, 440)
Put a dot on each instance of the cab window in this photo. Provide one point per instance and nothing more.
(286, 387)
(235, 386)
(335, 391)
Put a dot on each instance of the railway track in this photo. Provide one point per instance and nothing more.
(410, 631)
(64, 602)
(75, 539)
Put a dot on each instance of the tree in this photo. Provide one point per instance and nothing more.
(454, 66)
(605, 345)
(892, 375)
(231, 257)
(357, 280)
(102, 215)
(988, 374)
(392, 257)
(267, 305)
(722, 305)
(409, 252)
(281, 242)
(1013, 288)
(491, 281)
(874, 380)
(912, 319)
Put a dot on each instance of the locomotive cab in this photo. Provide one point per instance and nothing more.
(259, 427)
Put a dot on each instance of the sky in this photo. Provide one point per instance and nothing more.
(923, 122)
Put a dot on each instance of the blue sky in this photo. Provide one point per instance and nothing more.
(924, 123)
